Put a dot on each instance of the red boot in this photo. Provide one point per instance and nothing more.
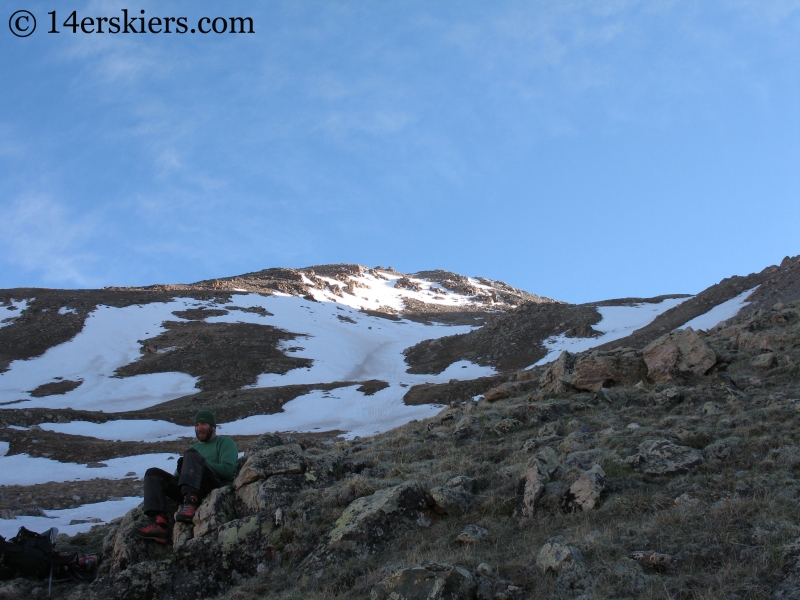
(158, 531)
(188, 509)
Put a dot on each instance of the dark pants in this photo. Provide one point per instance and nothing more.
(196, 477)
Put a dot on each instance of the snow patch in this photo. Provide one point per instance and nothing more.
(109, 339)
(105, 511)
(343, 409)
(124, 430)
(617, 322)
(22, 469)
(370, 348)
(721, 312)
(12, 312)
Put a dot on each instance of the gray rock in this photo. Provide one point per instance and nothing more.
(216, 509)
(181, 533)
(121, 548)
(431, 581)
(530, 488)
(468, 483)
(264, 442)
(597, 369)
(668, 397)
(465, 427)
(278, 460)
(555, 557)
(548, 460)
(472, 534)
(507, 426)
(267, 495)
(574, 442)
(370, 516)
(566, 563)
(662, 457)
(559, 374)
(722, 449)
(767, 360)
(584, 494)
(451, 499)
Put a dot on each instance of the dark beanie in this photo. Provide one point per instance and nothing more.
(205, 416)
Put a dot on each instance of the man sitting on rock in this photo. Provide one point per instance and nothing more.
(209, 464)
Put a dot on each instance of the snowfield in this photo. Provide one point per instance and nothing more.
(721, 312)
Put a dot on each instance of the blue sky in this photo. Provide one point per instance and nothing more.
(579, 150)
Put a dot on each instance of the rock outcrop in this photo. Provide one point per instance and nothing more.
(584, 494)
(457, 495)
(662, 457)
(431, 581)
(678, 356)
(598, 369)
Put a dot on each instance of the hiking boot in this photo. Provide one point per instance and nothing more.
(157, 531)
(87, 562)
(188, 509)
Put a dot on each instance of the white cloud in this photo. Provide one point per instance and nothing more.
(39, 234)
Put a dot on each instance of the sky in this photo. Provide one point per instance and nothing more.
(577, 150)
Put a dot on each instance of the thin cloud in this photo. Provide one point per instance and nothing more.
(41, 236)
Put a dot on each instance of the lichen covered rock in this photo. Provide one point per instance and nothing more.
(662, 457)
(431, 581)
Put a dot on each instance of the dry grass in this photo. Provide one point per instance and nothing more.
(728, 536)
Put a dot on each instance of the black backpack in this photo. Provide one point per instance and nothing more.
(33, 554)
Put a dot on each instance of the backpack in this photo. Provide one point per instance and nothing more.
(34, 554)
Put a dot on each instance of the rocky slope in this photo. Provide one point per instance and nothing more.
(658, 466)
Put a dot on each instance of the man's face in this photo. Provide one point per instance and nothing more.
(204, 432)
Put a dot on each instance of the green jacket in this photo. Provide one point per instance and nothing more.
(221, 455)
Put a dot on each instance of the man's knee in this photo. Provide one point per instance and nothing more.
(192, 457)
(152, 472)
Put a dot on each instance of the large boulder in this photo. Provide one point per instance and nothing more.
(558, 375)
(598, 369)
(216, 509)
(456, 496)
(201, 567)
(584, 494)
(369, 518)
(678, 356)
(267, 495)
(662, 457)
(547, 459)
(529, 489)
(264, 442)
(532, 484)
(278, 460)
(121, 548)
(466, 427)
(181, 533)
(504, 390)
(472, 534)
(566, 563)
(431, 581)
(554, 557)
